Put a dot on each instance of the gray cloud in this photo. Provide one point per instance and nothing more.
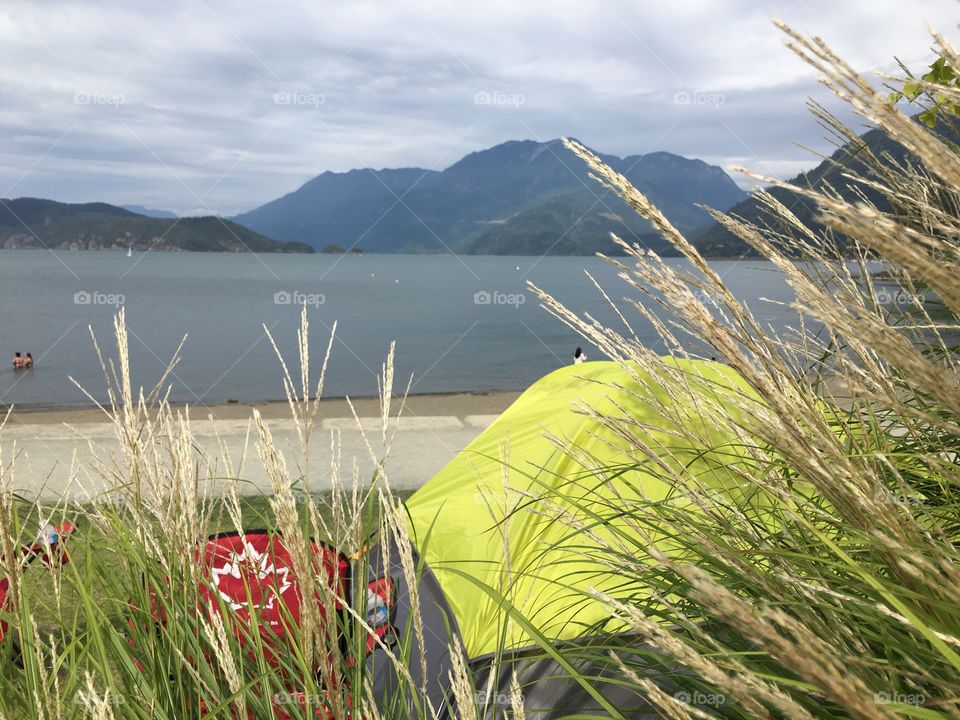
(220, 105)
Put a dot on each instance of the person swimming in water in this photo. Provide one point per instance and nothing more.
(28, 361)
(17, 361)
(579, 357)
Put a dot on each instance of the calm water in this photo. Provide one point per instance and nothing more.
(447, 336)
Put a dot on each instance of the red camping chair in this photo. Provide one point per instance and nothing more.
(48, 548)
(253, 571)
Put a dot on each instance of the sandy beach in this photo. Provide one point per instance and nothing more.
(55, 450)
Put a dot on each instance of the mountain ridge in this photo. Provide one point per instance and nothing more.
(716, 241)
(515, 197)
(149, 212)
(31, 223)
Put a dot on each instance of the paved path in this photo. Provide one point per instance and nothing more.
(422, 446)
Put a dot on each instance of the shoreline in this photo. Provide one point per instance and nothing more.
(59, 451)
(454, 403)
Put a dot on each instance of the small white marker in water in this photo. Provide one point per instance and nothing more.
(373, 274)
(396, 281)
(518, 267)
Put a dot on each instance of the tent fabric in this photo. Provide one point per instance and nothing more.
(432, 655)
(488, 519)
(551, 691)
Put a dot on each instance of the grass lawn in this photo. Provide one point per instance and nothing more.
(89, 546)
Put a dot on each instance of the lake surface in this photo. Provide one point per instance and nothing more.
(461, 324)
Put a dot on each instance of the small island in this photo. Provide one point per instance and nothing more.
(335, 249)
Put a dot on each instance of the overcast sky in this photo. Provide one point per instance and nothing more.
(219, 106)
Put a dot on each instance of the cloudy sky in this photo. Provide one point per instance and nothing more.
(221, 105)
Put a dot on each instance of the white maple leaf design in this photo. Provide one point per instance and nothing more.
(262, 568)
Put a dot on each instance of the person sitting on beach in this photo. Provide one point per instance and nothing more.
(17, 361)
(28, 362)
(579, 357)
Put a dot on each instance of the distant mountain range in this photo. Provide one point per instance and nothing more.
(36, 223)
(518, 198)
(716, 241)
(149, 212)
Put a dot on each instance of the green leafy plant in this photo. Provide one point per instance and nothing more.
(939, 86)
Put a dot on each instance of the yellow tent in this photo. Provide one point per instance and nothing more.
(511, 520)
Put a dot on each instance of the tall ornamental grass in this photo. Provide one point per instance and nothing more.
(116, 632)
(844, 601)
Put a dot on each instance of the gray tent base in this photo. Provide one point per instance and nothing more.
(548, 690)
